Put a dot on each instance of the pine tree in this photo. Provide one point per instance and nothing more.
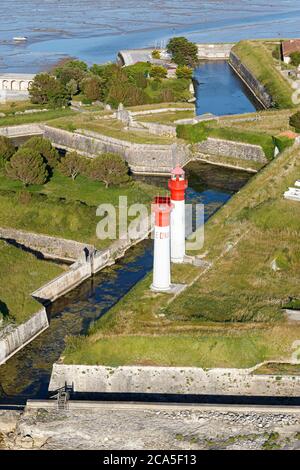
(27, 166)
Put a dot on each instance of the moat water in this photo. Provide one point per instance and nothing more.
(220, 91)
(26, 375)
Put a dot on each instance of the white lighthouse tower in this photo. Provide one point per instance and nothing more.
(177, 185)
(161, 208)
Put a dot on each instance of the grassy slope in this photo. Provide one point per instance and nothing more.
(109, 127)
(20, 274)
(62, 207)
(258, 58)
(12, 120)
(230, 316)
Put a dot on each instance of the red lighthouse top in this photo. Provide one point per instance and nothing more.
(178, 184)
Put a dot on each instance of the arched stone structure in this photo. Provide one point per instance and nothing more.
(15, 86)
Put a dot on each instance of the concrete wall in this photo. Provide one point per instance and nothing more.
(251, 81)
(19, 134)
(157, 129)
(227, 148)
(171, 380)
(214, 51)
(14, 338)
(141, 158)
(51, 247)
(78, 272)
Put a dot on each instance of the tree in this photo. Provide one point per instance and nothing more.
(46, 89)
(295, 58)
(7, 150)
(27, 166)
(72, 87)
(158, 71)
(183, 51)
(295, 121)
(183, 71)
(72, 165)
(44, 147)
(109, 168)
(91, 87)
(71, 70)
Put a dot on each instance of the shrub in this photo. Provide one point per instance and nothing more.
(295, 121)
(27, 166)
(183, 51)
(109, 168)
(183, 71)
(72, 165)
(158, 71)
(7, 150)
(43, 147)
(156, 54)
(295, 58)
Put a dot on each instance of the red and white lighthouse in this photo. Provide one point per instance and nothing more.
(178, 185)
(161, 207)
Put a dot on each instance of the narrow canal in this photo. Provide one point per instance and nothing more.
(220, 91)
(26, 375)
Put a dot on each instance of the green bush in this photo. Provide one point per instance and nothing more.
(158, 71)
(295, 121)
(156, 54)
(295, 58)
(183, 71)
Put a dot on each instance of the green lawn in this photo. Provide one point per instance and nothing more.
(258, 58)
(20, 274)
(230, 315)
(12, 120)
(63, 207)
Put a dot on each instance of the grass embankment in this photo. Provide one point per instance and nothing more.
(230, 315)
(15, 120)
(62, 207)
(257, 57)
(20, 274)
(194, 133)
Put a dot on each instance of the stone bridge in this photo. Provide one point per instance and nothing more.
(15, 86)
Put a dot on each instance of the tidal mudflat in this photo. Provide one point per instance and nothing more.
(94, 30)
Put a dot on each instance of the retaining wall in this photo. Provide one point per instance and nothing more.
(214, 51)
(141, 158)
(251, 81)
(14, 338)
(227, 148)
(171, 380)
(50, 247)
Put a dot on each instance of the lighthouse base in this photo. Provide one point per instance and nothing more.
(173, 289)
